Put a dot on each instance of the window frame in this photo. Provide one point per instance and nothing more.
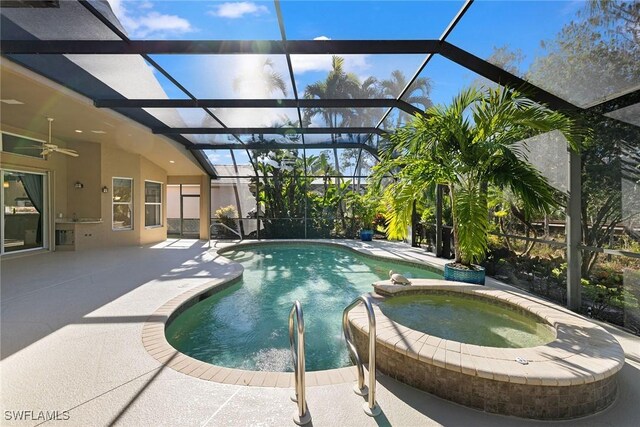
(160, 224)
(114, 203)
(13, 153)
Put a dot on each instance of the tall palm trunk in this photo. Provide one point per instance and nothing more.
(457, 252)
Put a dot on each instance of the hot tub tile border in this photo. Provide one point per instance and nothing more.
(583, 357)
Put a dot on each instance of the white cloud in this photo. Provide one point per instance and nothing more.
(305, 63)
(352, 63)
(116, 6)
(216, 156)
(234, 10)
(145, 22)
(155, 22)
(215, 76)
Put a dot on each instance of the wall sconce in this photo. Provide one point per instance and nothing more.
(105, 189)
(79, 185)
(5, 184)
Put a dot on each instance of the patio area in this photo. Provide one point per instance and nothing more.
(72, 342)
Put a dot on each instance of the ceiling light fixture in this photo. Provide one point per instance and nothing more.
(172, 161)
(78, 131)
(99, 132)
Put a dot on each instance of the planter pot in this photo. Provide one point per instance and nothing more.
(474, 276)
(366, 235)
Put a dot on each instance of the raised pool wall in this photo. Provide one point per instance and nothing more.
(573, 376)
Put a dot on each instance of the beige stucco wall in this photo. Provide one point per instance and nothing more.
(119, 163)
(95, 168)
(84, 202)
(205, 205)
(184, 179)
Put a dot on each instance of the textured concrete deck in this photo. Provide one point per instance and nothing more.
(71, 340)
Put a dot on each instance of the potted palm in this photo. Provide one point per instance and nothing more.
(363, 208)
(474, 143)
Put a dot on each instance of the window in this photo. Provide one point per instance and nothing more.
(122, 204)
(22, 145)
(152, 204)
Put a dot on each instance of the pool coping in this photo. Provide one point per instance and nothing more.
(582, 352)
(156, 344)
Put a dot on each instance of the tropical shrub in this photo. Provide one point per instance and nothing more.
(475, 142)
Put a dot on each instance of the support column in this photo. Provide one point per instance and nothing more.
(205, 207)
(438, 242)
(574, 232)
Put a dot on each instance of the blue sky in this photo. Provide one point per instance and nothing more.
(487, 24)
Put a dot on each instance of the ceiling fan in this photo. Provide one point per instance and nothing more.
(48, 147)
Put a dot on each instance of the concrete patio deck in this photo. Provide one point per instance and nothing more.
(71, 327)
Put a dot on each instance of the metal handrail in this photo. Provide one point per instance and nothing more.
(302, 415)
(225, 226)
(236, 232)
(371, 408)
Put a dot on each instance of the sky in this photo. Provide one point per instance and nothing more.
(486, 25)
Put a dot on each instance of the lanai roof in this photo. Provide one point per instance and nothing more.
(223, 79)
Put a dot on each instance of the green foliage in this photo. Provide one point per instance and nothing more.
(227, 215)
(226, 212)
(604, 290)
(604, 296)
(281, 192)
(596, 57)
(474, 142)
(364, 209)
(287, 196)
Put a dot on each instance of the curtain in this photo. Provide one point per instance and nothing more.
(33, 185)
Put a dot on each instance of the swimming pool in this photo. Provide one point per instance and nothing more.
(246, 325)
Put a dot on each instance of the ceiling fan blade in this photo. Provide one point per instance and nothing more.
(72, 153)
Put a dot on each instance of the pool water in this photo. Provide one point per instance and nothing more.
(469, 320)
(246, 325)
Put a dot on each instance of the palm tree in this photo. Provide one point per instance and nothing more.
(418, 93)
(261, 81)
(338, 85)
(468, 145)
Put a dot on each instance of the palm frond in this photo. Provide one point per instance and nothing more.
(527, 184)
(470, 210)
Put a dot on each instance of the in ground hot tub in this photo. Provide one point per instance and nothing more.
(530, 359)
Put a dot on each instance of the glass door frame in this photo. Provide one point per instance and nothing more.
(182, 197)
(44, 215)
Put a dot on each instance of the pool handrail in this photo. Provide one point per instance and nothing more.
(302, 415)
(216, 223)
(371, 408)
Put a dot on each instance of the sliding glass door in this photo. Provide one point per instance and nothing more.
(24, 211)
